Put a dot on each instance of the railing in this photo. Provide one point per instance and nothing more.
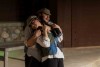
(11, 32)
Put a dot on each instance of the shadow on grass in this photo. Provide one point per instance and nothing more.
(1, 58)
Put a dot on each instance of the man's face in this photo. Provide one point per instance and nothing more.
(46, 17)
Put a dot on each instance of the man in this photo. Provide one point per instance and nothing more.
(44, 16)
(49, 60)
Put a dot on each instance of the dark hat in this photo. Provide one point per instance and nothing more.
(44, 10)
(30, 19)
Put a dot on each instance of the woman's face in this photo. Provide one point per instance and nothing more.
(46, 17)
(35, 24)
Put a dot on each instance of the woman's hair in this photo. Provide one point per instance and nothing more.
(30, 19)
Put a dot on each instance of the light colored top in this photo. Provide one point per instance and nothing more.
(31, 51)
(45, 42)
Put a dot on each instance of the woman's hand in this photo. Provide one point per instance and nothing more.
(46, 29)
(37, 33)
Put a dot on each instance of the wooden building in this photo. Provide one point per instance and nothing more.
(79, 19)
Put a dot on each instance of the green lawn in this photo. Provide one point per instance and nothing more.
(1, 53)
(13, 53)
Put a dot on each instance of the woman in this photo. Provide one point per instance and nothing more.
(32, 54)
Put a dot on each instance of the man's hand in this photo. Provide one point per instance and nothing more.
(57, 26)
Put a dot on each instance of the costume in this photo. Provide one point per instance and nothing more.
(32, 54)
(51, 60)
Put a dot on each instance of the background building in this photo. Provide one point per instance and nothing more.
(79, 19)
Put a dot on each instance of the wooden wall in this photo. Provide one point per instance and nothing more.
(86, 22)
(64, 20)
(20, 10)
(9, 10)
(80, 22)
(79, 19)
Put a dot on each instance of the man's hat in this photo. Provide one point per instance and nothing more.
(44, 10)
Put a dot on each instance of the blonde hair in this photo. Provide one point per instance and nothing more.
(30, 19)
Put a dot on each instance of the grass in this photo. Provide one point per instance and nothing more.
(1, 53)
(15, 53)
